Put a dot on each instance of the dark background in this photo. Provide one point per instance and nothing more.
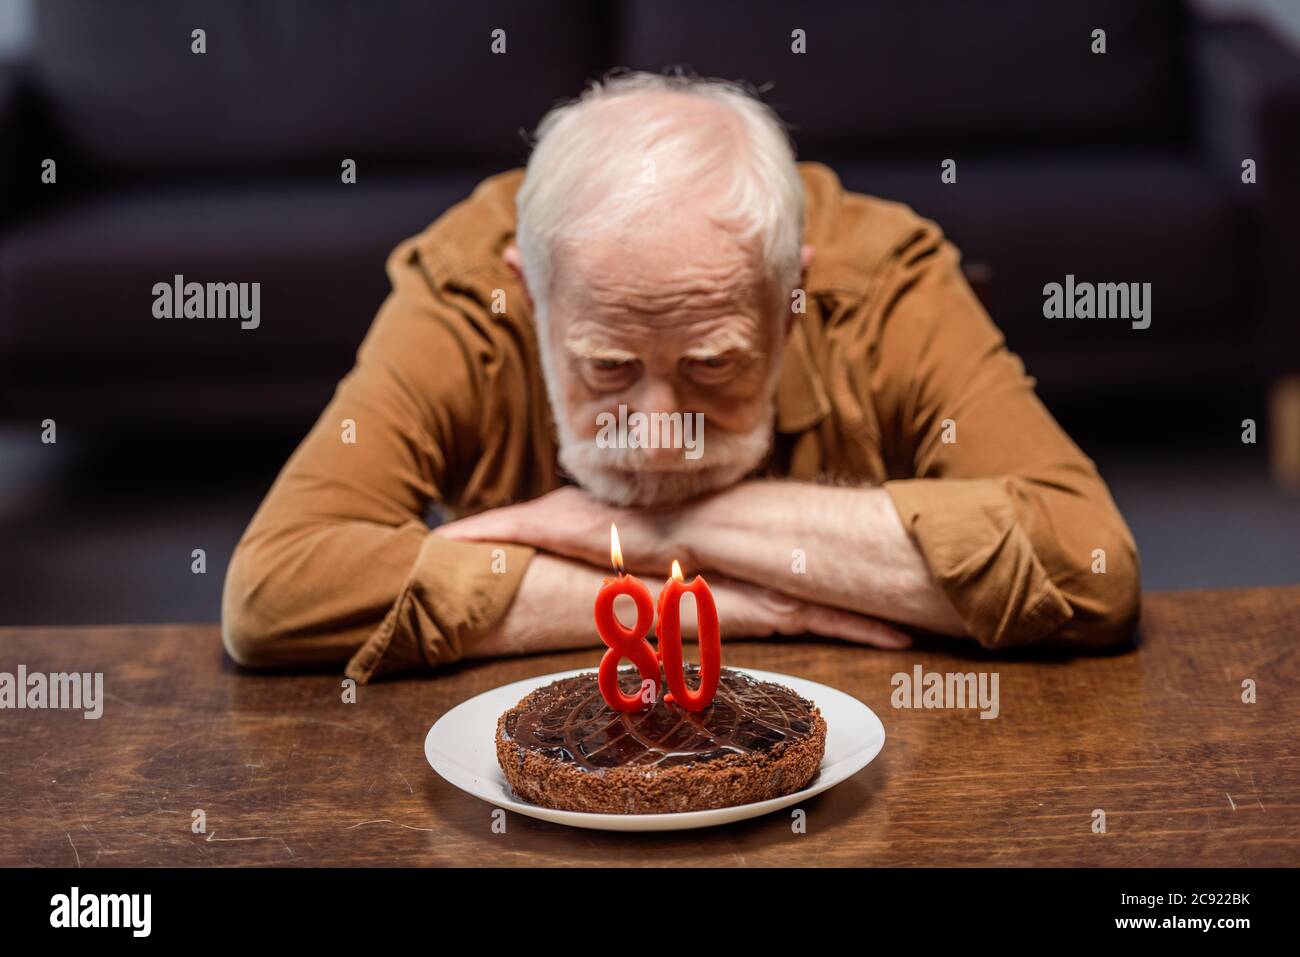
(1120, 167)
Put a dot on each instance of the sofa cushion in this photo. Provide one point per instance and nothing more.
(1123, 217)
(76, 284)
(909, 73)
(288, 81)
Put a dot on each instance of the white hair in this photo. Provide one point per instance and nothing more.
(599, 172)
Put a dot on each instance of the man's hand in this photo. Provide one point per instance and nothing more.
(552, 611)
(571, 522)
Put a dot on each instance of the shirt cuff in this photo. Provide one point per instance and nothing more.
(455, 593)
(977, 550)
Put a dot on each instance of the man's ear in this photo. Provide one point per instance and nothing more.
(516, 264)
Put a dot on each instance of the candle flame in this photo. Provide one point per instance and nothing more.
(677, 571)
(615, 551)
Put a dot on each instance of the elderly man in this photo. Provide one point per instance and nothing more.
(872, 458)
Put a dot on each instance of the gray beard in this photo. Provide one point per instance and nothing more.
(618, 476)
(613, 475)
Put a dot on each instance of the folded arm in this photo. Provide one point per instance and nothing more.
(338, 565)
(552, 610)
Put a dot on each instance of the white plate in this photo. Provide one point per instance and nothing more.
(461, 746)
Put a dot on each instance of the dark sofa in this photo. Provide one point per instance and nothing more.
(225, 166)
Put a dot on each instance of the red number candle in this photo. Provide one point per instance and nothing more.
(669, 630)
(624, 642)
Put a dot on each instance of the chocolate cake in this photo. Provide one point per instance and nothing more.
(564, 747)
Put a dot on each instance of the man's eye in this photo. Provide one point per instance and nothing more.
(610, 374)
(711, 368)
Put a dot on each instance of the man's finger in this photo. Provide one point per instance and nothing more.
(860, 629)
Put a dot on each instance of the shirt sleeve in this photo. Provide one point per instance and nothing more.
(338, 564)
(1014, 521)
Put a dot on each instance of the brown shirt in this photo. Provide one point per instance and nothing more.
(893, 360)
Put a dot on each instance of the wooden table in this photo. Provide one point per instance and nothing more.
(287, 774)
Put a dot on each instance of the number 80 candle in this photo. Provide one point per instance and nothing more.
(630, 643)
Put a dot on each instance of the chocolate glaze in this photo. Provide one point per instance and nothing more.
(569, 720)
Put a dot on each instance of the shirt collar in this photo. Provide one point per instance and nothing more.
(801, 401)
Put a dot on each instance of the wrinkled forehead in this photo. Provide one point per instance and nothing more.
(688, 277)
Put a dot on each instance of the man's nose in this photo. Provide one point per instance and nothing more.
(659, 396)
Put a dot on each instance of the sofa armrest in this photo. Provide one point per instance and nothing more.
(1247, 85)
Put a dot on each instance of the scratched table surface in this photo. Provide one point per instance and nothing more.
(285, 773)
